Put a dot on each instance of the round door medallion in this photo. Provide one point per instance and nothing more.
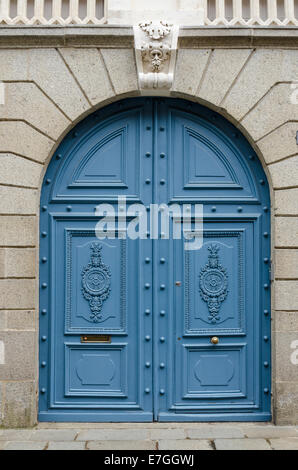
(96, 280)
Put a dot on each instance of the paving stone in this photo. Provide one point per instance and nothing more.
(67, 445)
(16, 435)
(113, 435)
(104, 426)
(53, 438)
(122, 445)
(54, 435)
(284, 444)
(25, 445)
(187, 444)
(271, 431)
(241, 444)
(215, 432)
(168, 434)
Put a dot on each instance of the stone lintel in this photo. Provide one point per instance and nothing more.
(123, 37)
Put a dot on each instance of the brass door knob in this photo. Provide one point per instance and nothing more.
(214, 340)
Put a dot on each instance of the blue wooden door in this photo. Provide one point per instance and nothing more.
(142, 329)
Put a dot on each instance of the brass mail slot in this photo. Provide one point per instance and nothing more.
(96, 339)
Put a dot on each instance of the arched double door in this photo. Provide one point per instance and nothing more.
(142, 329)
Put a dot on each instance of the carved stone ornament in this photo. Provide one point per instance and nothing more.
(213, 284)
(156, 48)
(96, 283)
(156, 30)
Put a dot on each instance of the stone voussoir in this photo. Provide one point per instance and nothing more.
(88, 68)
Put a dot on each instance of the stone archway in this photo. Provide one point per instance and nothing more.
(41, 110)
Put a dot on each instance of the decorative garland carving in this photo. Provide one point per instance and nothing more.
(213, 283)
(96, 282)
(156, 47)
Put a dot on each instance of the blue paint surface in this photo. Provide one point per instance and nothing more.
(160, 364)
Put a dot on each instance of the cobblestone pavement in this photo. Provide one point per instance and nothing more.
(152, 436)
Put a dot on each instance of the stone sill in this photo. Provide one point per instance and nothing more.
(122, 36)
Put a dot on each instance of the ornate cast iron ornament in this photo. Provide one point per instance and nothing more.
(96, 283)
(213, 283)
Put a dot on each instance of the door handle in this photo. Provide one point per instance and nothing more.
(214, 340)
